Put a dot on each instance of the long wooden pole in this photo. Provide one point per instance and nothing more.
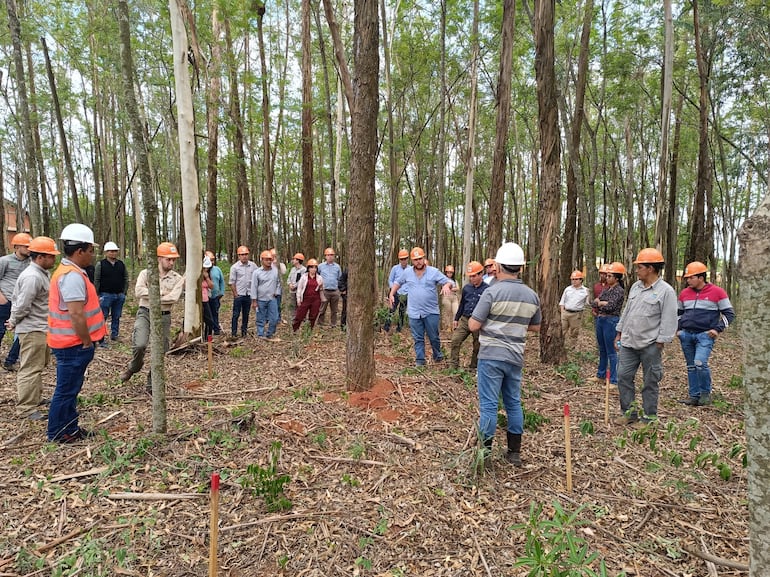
(607, 397)
(214, 525)
(211, 356)
(567, 448)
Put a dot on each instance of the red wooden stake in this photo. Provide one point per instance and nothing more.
(567, 448)
(607, 397)
(214, 525)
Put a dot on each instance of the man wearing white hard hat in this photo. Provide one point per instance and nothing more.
(111, 282)
(75, 325)
(504, 314)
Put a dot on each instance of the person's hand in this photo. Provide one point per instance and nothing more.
(390, 300)
(713, 333)
(454, 324)
(660, 345)
(9, 325)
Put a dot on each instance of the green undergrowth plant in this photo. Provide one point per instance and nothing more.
(570, 371)
(267, 483)
(554, 548)
(533, 421)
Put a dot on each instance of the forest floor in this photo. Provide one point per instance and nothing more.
(317, 481)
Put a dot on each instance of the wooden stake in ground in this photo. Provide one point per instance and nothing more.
(607, 398)
(214, 522)
(567, 448)
(211, 370)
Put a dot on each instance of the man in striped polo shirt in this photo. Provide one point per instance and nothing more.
(506, 311)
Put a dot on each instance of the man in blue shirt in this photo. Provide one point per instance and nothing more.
(215, 298)
(331, 273)
(399, 304)
(420, 281)
(468, 301)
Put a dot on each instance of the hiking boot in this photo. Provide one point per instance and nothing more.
(704, 400)
(126, 375)
(644, 422)
(624, 420)
(35, 416)
(11, 367)
(691, 401)
(79, 435)
(513, 456)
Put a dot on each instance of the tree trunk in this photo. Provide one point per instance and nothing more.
(212, 124)
(62, 134)
(754, 268)
(671, 245)
(151, 216)
(189, 173)
(503, 103)
(661, 224)
(32, 185)
(441, 255)
(551, 338)
(267, 193)
(470, 158)
(393, 177)
(308, 194)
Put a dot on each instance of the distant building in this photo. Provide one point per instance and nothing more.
(11, 225)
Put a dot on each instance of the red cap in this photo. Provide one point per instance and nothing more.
(214, 482)
(566, 410)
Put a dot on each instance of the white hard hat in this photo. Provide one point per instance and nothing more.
(110, 246)
(511, 254)
(206, 262)
(77, 232)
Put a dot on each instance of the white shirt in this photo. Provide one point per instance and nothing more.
(574, 299)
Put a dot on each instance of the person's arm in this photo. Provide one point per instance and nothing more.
(668, 318)
(473, 325)
(141, 289)
(125, 279)
(393, 290)
(3, 298)
(24, 295)
(98, 277)
(233, 280)
(174, 294)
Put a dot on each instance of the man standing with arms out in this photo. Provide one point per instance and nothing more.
(217, 292)
(573, 300)
(111, 282)
(11, 266)
(468, 300)
(295, 273)
(399, 304)
(171, 287)
(240, 284)
(645, 326)
(421, 281)
(331, 273)
(704, 311)
(75, 325)
(506, 311)
(265, 284)
(29, 321)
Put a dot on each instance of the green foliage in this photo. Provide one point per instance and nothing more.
(239, 352)
(571, 372)
(553, 548)
(586, 428)
(267, 483)
(735, 382)
(533, 421)
(358, 449)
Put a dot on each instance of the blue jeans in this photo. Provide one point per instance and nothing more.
(71, 364)
(697, 350)
(13, 354)
(267, 312)
(605, 337)
(112, 306)
(241, 307)
(215, 303)
(496, 378)
(419, 327)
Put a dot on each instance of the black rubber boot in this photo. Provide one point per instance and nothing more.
(513, 456)
(488, 452)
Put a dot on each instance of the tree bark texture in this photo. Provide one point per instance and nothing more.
(470, 158)
(308, 194)
(754, 271)
(497, 192)
(267, 192)
(214, 90)
(360, 369)
(551, 338)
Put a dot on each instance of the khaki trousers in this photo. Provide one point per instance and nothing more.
(570, 327)
(29, 379)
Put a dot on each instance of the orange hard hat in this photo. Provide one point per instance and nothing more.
(576, 274)
(489, 262)
(210, 254)
(312, 262)
(21, 239)
(474, 267)
(616, 268)
(417, 252)
(242, 250)
(329, 251)
(403, 254)
(691, 269)
(266, 254)
(299, 256)
(43, 245)
(168, 250)
(649, 256)
(605, 268)
(449, 268)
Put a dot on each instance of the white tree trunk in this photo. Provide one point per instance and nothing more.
(471, 156)
(189, 176)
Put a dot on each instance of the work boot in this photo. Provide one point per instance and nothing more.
(513, 456)
(691, 401)
(488, 452)
(126, 375)
(704, 400)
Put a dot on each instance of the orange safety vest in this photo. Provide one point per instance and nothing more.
(61, 333)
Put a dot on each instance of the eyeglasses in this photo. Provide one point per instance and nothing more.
(243, 254)
(404, 258)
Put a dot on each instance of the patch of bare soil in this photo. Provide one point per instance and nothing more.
(380, 483)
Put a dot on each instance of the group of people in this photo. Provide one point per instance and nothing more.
(653, 316)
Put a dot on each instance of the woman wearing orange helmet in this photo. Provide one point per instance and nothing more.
(309, 288)
(608, 306)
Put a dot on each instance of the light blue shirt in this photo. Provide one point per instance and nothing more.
(265, 284)
(219, 282)
(423, 297)
(331, 273)
(395, 272)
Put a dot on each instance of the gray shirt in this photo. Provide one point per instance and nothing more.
(650, 315)
(29, 311)
(240, 277)
(265, 284)
(10, 269)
